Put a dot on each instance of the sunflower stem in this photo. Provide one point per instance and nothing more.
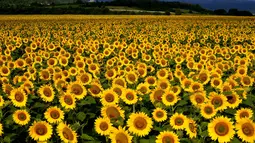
(133, 108)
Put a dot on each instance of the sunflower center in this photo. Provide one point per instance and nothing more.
(103, 126)
(162, 73)
(208, 110)
(192, 127)
(170, 97)
(143, 89)
(112, 112)
(121, 138)
(68, 100)
(221, 129)
(203, 77)
(199, 99)
(47, 92)
(195, 87)
(167, 139)
(120, 82)
(131, 77)
(19, 97)
(77, 89)
(158, 95)
(231, 99)
(67, 133)
(118, 91)
(110, 73)
(248, 129)
(84, 78)
(151, 81)
(130, 96)
(54, 114)
(95, 89)
(163, 85)
(41, 129)
(140, 123)
(109, 98)
(244, 114)
(178, 121)
(216, 82)
(217, 102)
(22, 116)
(159, 114)
(246, 80)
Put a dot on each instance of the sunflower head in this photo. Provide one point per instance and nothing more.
(65, 133)
(54, 115)
(129, 96)
(113, 112)
(191, 128)
(21, 117)
(103, 126)
(47, 93)
(246, 130)
(18, 97)
(169, 98)
(77, 89)
(109, 97)
(178, 121)
(243, 113)
(68, 101)
(40, 131)
(167, 137)
(207, 110)
(120, 135)
(159, 115)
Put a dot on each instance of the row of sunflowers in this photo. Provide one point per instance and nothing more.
(124, 79)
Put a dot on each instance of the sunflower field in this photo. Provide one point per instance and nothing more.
(127, 79)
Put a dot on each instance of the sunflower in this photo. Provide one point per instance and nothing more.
(84, 78)
(243, 113)
(77, 89)
(119, 90)
(162, 73)
(103, 126)
(18, 97)
(159, 115)
(67, 101)
(93, 68)
(66, 134)
(221, 129)
(226, 87)
(163, 84)
(120, 135)
(143, 88)
(156, 95)
(73, 71)
(119, 81)
(167, 137)
(246, 130)
(1, 101)
(4, 71)
(54, 115)
(204, 76)
(208, 111)
(178, 121)
(247, 81)
(112, 112)
(1, 129)
(198, 98)
(129, 96)
(169, 98)
(45, 75)
(233, 99)
(40, 131)
(47, 93)
(191, 128)
(109, 97)
(21, 117)
(110, 74)
(95, 89)
(196, 87)
(142, 72)
(216, 82)
(131, 77)
(185, 84)
(139, 124)
(218, 100)
(151, 80)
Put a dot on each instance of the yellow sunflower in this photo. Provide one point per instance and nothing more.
(216, 82)
(109, 97)
(67, 101)
(221, 129)
(77, 89)
(178, 121)
(246, 130)
(21, 117)
(1, 130)
(204, 76)
(143, 88)
(112, 112)
(54, 115)
(129, 96)
(169, 98)
(103, 126)
(167, 137)
(18, 97)
(47, 93)
(219, 101)
(208, 111)
(176, 89)
(95, 89)
(243, 113)
(233, 100)
(131, 77)
(119, 81)
(40, 131)
(66, 134)
(110, 74)
(139, 124)
(1, 101)
(151, 80)
(4, 71)
(191, 128)
(85, 78)
(119, 90)
(120, 135)
(162, 73)
(163, 84)
(156, 95)
(247, 81)
(198, 98)
(196, 87)
(159, 115)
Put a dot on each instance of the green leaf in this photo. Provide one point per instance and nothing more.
(145, 110)
(81, 116)
(7, 139)
(38, 105)
(182, 103)
(76, 126)
(230, 111)
(87, 101)
(185, 140)
(87, 137)
(144, 141)
(236, 140)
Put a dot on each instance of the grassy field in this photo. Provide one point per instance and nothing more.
(127, 79)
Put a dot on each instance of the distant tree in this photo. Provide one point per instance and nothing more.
(233, 11)
(220, 12)
(167, 12)
(190, 11)
(178, 12)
